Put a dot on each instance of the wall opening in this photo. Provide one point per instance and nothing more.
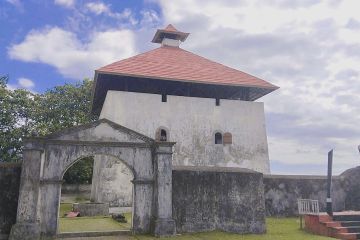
(218, 138)
(81, 210)
(163, 97)
(162, 135)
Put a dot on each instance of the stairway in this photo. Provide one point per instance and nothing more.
(343, 225)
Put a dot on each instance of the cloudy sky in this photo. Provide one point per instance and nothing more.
(310, 48)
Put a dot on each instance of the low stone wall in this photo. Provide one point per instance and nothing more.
(9, 192)
(282, 192)
(76, 189)
(91, 209)
(228, 199)
(350, 179)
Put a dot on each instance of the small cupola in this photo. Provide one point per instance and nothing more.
(169, 36)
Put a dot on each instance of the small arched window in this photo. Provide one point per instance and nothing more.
(218, 138)
(161, 135)
(227, 138)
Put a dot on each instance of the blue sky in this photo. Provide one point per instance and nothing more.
(310, 48)
(19, 18)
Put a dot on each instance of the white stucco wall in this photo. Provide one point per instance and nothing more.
(192, 123)
(111, 182)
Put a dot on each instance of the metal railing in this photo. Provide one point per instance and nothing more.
(308, 207)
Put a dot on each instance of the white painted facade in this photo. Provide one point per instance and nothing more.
(192, 122)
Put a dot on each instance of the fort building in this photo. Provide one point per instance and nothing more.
(170, 94)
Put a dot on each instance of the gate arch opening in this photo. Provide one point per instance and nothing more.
(91, 207)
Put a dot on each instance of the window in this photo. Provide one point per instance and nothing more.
(227, 138)
(217, 102)
(218, 138)
(162, 135)
(163, 97)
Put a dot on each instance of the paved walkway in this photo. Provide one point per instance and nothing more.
(100, 238)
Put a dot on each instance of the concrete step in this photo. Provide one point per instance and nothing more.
(348, 236)
(93, 234)
(351, 229)
(350, 223)
(345, 218)
(332, 224)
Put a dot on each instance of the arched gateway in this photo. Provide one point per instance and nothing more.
(46, 159)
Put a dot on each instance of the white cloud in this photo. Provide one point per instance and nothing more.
(65, 3)
(309, 48)
(98, 7)
(149, 18)
(70, 56)
(26, 83)
(22, 83)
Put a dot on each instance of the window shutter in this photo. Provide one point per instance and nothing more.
(227, 138)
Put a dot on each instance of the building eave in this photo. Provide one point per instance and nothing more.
(271, 87)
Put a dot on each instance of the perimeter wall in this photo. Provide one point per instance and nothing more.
(9, 192)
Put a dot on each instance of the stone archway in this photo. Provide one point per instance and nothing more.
(46, 159)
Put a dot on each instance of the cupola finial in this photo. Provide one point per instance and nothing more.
(169, 36)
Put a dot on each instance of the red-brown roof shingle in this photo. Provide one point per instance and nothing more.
(174, 63)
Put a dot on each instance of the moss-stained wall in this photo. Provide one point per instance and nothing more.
(9, 191)
(282, 192)
(228, 199)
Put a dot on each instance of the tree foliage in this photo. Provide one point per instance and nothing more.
(24, 114)
(15, 120)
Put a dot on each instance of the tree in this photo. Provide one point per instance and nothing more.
(62, 107)
(15, 120)
(24, 114)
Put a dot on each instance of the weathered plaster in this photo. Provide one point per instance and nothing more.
(63, 149)
(111, 182)
(192, 123)
(283, 191)
(228, 199)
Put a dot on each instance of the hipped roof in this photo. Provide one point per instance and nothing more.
(177, 64)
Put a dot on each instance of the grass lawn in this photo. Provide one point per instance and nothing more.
(277, 229)
(86, 224)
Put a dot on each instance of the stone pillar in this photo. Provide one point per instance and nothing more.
(27, 226)
(50, 200)
(164, 223)
(142, 205)
(97, 167)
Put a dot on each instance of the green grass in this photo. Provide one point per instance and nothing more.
(64, 208)
(277, 229)
(86, 224)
